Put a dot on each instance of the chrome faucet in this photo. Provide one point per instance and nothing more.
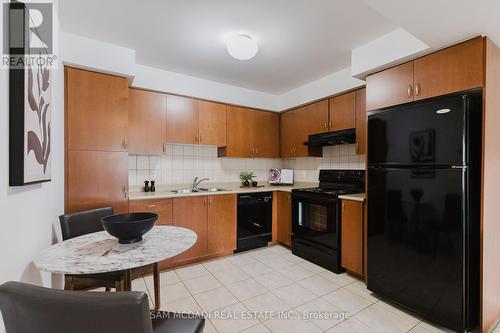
(197, 182)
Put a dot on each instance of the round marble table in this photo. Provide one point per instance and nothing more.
(99, 252)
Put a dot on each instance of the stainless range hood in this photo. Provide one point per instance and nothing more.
(332, 138)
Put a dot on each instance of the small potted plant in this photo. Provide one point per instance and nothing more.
(246, 177)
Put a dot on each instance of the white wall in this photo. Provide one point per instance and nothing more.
(392, 48)
(108, 58)
(331, 84)
(29, 214)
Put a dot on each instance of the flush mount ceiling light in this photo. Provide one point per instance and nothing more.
(241, 46)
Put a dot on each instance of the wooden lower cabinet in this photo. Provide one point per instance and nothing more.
(213, 218)
(285, 218)
(162, 207)
(221, 237)
(352, 236)
(96, 179)
(191, 213)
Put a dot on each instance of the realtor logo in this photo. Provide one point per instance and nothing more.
(28, 33)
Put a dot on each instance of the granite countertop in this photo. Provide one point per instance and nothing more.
(354, 197)
(165, 192)
(99, 252)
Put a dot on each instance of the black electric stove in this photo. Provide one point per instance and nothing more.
(316, 217)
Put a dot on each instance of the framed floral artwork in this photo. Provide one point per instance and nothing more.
(30, 119)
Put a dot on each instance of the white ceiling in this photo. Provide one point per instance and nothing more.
(300, 40)
(443, 22)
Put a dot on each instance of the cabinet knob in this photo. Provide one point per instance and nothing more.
(409, 91)
(417, 89)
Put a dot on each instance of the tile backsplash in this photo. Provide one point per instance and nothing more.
(306, 169)
(181, 163)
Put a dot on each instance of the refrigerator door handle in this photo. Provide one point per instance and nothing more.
(459, 167)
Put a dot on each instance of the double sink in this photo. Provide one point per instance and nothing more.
(196, 190)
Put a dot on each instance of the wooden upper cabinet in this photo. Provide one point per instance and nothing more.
(453, 69)
(316, 117)
(456, 68)
(343, 111)
(191, 213)
(303, 126)
(182, 120)
(390, 87)
(96, 179)
(361, 121)
(162, 207)
(221, 238)
(212, 123)
(96, 111)
(267, 131)
(352, 236)
(240, 132)
(287, 128)
(147, 122)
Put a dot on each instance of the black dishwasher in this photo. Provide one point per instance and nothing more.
(255, 216)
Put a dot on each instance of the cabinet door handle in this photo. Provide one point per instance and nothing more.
(204, 202)
(417, 89)
(343, 206)
(409, 91)
(164, 147)
(330, 123)
(125, 194)
(196, 138)
(199, 137)
(326, 124)
(210, 202)
(151, 206)
(124, 143)
(357, 147)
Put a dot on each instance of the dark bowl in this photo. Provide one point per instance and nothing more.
(130, 227)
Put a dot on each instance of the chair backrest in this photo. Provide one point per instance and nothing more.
(82, 223)
(31, 309)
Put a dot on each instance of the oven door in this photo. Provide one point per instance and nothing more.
(316, 220)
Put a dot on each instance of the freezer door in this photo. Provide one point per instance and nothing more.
(416, 241)
(422, 133)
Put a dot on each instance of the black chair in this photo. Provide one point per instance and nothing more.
(31, 309)
(86, 222)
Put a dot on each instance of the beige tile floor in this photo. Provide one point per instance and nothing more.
(274, 280)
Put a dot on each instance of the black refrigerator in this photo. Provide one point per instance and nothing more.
(424, 188)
